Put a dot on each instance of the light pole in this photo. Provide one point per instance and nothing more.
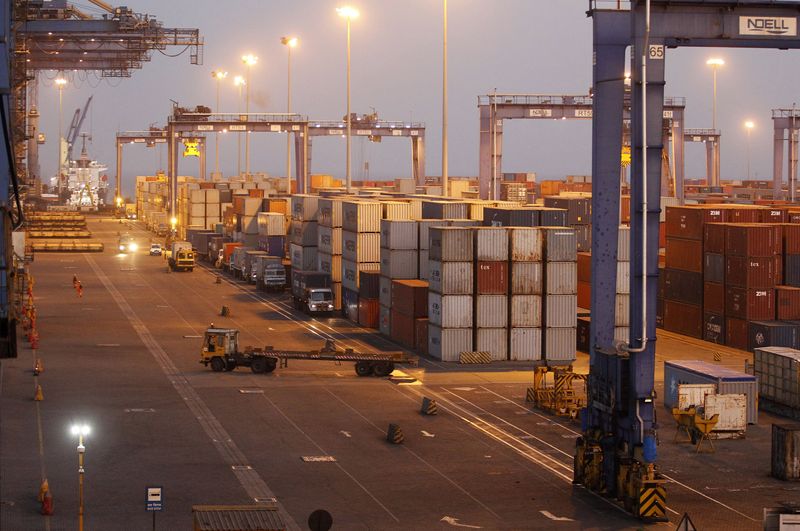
(218, 76)
(81, 431)
(239, 81)
(249, 60)
(748, 125)
(60, 83)
(348, 13)
(714, 63)
(289, 42)
(444, 104)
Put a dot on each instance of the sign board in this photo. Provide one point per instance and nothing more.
(203, 127)
(234, 127)
(656, 52)
(583, 113)
(540, 113)
(154, 501)
(768, 26)
(625, 158)
(275, 128)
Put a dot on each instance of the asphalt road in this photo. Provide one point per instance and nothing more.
(124, 358)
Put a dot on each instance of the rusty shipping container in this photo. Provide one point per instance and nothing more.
(686, 319)
(368, 312)
(714, 270)
(450, 278)
(714, 297)
(750, 304)
(788, 303)
(791, 238)
(714, 240)
(753, 239)
(526, 278)
(687, 222)
(561, 278)
(526, 244)
(492, 278)
(714, 328)
(526, 311)
(451, 244)
(525, 344)
(686, 255)
(683, 286)
(410, 297)
(560, 244)
(736, 333)
(491, 244)
(421, 335)
(403, 329)
(785, 456)
(750, 272)
(494, 341)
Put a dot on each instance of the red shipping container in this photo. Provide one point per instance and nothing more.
(736, 333)
(585, 295)
(788, 305)
(793, 216)
(585, 267)
(368, 312)
(743, 214)
(662, 235)
(410, 297)
(750, 272)
(687, 221)
(753, 239)
(685, 319)
(421, 335)
(750, 304)
(492, 278)
(686, 255)
(714, 241)
(772, 215)
(791, 238)
(255, 192)
(403, 328)
(714, 298)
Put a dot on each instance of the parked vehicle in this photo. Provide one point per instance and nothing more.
(181, 256)
(155, 249)
(269, 273)
(311, 292)
(237, 262)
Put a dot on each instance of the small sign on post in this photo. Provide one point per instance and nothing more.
(154, 502)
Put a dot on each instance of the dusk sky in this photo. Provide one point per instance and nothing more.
(518, 46)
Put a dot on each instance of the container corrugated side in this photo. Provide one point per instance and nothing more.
(303, 258)
(329, 240)
(491, 243)
(305, 207)
(494, 341)
(451, 244)
(361, 246)
(396, 210)
(622, 304)
(526, 311)
(624, 244)
(525, 344)
(385, 321)
(452, 278)
(351, 270)
(385, 291)
(303, 233)
(450, 311)
(271, 224)
(525, 244)
(424, 230)
(560, 344)
(785, 458)
(400, 264)
(447, 344)
(526, 278)
(399, 234)
(623, 277)
(560, 244)
(424, 265)
(561, 278)
(331, 264)
(361, 216)
(778, 373)
(330, 212)
(491, 311)
(561, 311)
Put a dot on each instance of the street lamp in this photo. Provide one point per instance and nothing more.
(249, 60)
(239, 82)
(748, 125)
(218, 76)
(81, 430)
(60, 83)
(289, 42)
(714, 63)
(349, 14)
(444, 104)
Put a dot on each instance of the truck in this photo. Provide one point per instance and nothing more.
(215, 246)
(237, 261)
(269, 273)
(249, 267)
(311, 292)
(222, 352)
(127, 244)
(180, 256)
(224, 259)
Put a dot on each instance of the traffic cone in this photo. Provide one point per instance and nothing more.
(39, 396)
(429, 406)
(394, 434)
(47, 504)
(43, 489)
(38, 367)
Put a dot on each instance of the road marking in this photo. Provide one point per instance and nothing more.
(241, 467)
(426, 434)
(464, 388)
(250, 480)
(551, 516)
(345, 433)
(318, 459)
(251, 391)
(192, 337)
(454, 522)
(140, 410)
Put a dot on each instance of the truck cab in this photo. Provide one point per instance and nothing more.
(127, 244)
(318, 300)
(181, 256)
(274, 276)
(220, 346)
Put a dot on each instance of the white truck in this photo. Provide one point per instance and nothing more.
(180, 256)
(269, 273)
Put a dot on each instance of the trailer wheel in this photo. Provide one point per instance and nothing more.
(217, 364)
(259, 365)
(363, 368)
(230, 365)
(383, 368)
(272, 363)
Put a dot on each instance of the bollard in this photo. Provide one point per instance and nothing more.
(44, 488)
(225, 311)
(429, 406)
(39, 396)
(38, 368)
(218, 280)
(394, 435)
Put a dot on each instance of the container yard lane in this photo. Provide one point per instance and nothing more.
(311, 435)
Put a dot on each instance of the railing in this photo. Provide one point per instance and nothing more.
(237, 117)
(377, 124)
(786, 113)
(622, 5)
(556, 99)
(701, 132)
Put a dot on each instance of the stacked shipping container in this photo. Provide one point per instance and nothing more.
(560, 295)
(525, 289)
(361, 244)
(329, 244)
(491, 291)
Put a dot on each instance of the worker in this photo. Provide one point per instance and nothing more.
(75, 281)
(79, 288)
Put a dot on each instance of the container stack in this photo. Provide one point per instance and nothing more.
(560, 295)
(368, 302)
(714, 327)
(778, 373)
(329, 244)
(409, 313)
(791, 244)
(525, 288)
(450, 300)
(303, 232)
(272, 233)
(579, 217)
(400, 244)
(361, 244)
(246, 209)
(491, 291)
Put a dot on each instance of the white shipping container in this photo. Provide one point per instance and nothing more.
(526, 311)
(450, 311)
(560, 244)
(424, 265)
(526, 344)
(385, 291)
(561, 311)
(330, 212)
(330, 264)
(623, 277)
(305, 207)
(622, 305)
(400, 264)
(197, 210)
(212, 196)
(562, 278)
(491, 311)
(491, 243)
(451, 278)
(451, 244)
(424, 231)
(361, 216)
(399, 234)
(526, 244)
(447, 344)
(396, 210)
(560, 344)
(329, 240)
(624, 244)
(351, 271)
(213, 210)
(303, 233)
(526, 278)
(252, 206)
(361, 246)
(494, 341)
(303, 258)
(197, 196)
(271, 224)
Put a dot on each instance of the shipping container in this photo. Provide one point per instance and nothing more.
(686, 319)
(550, 217)
(526, 311)
(791, 270)
(368, 312)
(683, 286)
(584, 267)
(501, 217)
(525, 344)
(445, 210)
(403, 329)
(273, 245)
(750, 272)
(788, 303)
(303, 258)
(447, 344)
(579, 209)
(622, 310)
(714, 240)
(303, 233)
(362, 216)
(713, 298)
(361, 246)
(561, 278)
(494, 341)
(727, 382)
(624, 244)
(396, 210)
(410, 297)
(450, 311)
(399, 234)
(330, 212)
(491, 311)
(785, 456)
(369, 285)
(686, 255)
(492, 278)
(451, 278)
(350, 304)
(305, 207)
(400, 264)
(561, 310)
(750, 304)
(736, 331)
(772, 334)
(583, 237)
(421, 335)
(424, 230)
(271, 224)
(525, 245)
(791, 238)
(714, 328)
(753, 239)
(714, 270)
(687, 222)
(560, 244)
(530, 217)
(491, 244)
(424, 265)
(451, 244)
(330, 264)
(559, 345)
(526, 278)
(385, 293)
(351, 273)
(778, 373)
(329, 240)
(385, 320)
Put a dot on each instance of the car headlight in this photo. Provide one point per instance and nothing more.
(133, 247)
(121, 247)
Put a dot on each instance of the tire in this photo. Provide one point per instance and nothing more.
(259, 365)
(230, 365)
(217, 364)
(383, 368)
(272, 363)
(363, 368)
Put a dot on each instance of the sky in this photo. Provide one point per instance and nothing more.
(513, 46)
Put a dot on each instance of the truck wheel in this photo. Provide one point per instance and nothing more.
(259, 365)
(363, 368)
(230, 365)
(272, 363)
(217, 364)
(383, 368)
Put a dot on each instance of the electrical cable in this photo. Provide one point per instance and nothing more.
(12, 165)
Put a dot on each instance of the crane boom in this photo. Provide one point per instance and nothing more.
(75, 127)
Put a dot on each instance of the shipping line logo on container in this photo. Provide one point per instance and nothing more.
(783, 26)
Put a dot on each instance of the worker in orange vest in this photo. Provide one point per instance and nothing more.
(80, 289)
